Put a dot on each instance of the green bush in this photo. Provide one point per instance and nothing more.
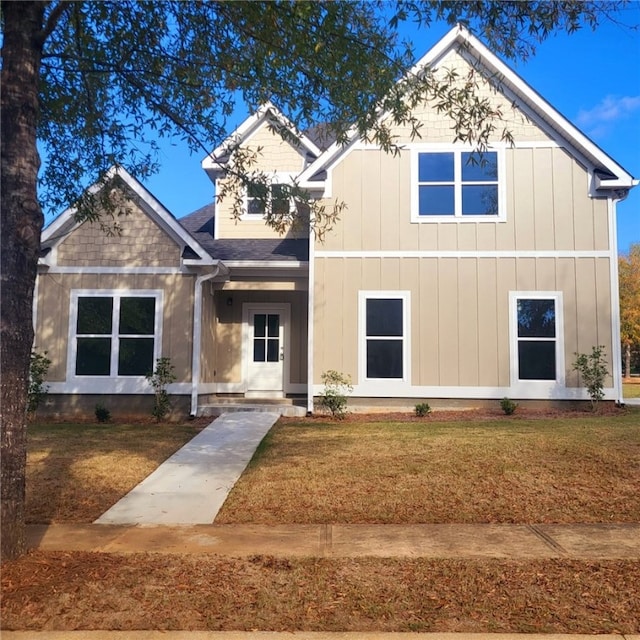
(102, 413)
(159, 379)
(508, 406)
(38, 368)
(593, 370)
(336, 387)
(423, 409)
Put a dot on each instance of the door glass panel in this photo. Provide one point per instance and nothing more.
(273, 325)
(273, 350)
(258, 350)
(259, 325)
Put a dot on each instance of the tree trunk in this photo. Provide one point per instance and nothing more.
(627, 360)
(20, 237)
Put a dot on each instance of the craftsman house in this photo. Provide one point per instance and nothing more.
(444, 278)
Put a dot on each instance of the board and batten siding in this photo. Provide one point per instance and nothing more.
(276, 155)
(548, 208)
(459, 326)
(53, 305)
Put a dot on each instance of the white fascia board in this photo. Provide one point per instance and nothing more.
(576, 140)
(153, 208)
(268, 110)
(266, 264)
(525, 97)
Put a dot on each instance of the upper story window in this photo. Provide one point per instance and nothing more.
(114, 334)
(457, 185)
(268, 198)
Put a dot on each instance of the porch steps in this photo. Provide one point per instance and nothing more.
(281, 407)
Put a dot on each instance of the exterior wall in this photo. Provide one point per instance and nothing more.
(439, 127)
(52, 328)
(228, 331)
(548, 208)
(276, 155)
(140, 243)
(459, 325)
(459, 273)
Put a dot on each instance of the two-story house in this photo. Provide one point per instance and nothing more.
(444, 278)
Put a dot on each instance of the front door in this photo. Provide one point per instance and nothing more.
(265, 349)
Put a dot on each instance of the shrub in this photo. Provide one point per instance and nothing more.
(102, 413)
(159, 379)
(38, 367)
(508, 406)
(423, 409)
(336, 387)
(593, 370)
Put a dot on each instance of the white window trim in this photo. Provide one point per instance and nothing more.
(101, 384)
(541, 388)
(276, 177)
(384, 386)
(458, 217)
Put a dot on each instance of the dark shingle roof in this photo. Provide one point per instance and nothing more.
(200, 225)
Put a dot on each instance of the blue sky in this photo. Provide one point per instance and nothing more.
(591, 77)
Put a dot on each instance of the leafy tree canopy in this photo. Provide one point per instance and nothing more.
(116, 77)
(629, 272)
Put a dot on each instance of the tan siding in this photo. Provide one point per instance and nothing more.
(275, 155)
(563, 200)
(460, 312)
(438, 127)
(140, 243)
(53, 314)
(523, 213)
(468, 346)
(544, 238)
(448, 343)
(489, 305)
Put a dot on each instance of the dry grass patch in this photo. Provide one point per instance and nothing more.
(631, 389)
(68, 591)
(76, 471)
(581, 468)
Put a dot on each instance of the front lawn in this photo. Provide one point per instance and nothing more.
(575, 467)
(631, 389)
(76, 471)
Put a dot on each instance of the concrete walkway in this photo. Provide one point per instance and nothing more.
(190, 487)
(580, 541)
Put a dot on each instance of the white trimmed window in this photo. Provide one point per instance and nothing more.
(384, 335)
(114, 333)
(537, 338)
(273, 197)
(457, 184)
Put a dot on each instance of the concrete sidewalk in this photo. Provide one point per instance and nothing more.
(191, 486)
(580, 541)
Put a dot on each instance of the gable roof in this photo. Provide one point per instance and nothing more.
(193, 253)
(243, 250)
(608, 174)
(214, 163)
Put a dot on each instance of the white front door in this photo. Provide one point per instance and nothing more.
(265, 348)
